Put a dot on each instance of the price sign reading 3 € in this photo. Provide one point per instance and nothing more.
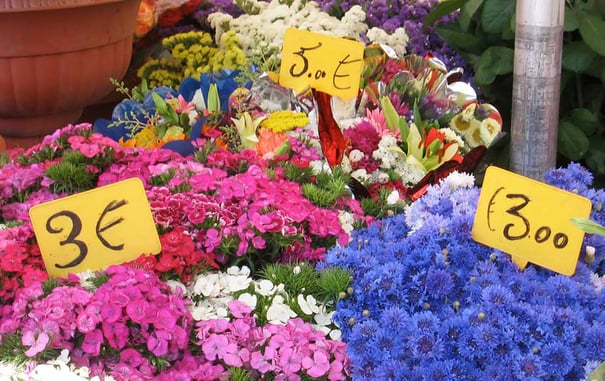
(95, 229)
(530, 220)
(329, 64)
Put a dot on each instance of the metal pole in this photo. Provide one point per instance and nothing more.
(536, 86)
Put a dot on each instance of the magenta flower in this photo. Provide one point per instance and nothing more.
(138, 310)
(92, 342)
(157, 343)
(239, 309)
(117, 334)
(131, 357)
(36, 341)
(290, 361)
(86, 322)
(214, 347)
(318, 365)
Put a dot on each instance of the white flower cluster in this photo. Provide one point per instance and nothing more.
(211, 292)
(398, 40)
(58, 369)
(391, 157)
(262, 34)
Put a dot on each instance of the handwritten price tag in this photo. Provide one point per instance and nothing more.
(329, 64)
(530, 220)
(94, 229)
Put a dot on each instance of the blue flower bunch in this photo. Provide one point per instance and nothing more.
(576, 178)
(144, 107)
(429, 303)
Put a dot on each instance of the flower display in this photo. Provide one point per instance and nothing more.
(302, 236)
(127, 324)
(429, 302)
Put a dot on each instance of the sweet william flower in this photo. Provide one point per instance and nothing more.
(278, 312)
(92, 342)
(36, 341)
(318, 364)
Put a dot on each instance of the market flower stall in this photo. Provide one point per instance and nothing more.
(290, 233)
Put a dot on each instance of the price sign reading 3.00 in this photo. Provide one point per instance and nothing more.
(329, 64)
(94, 229)
(530, 220)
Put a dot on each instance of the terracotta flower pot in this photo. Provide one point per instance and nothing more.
(56, 57)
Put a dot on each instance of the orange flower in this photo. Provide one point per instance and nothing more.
(146, 18)
(269, 142)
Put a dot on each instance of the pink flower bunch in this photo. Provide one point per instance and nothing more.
(247, 213)
(285, 352)
(21, 263)
(133, 314)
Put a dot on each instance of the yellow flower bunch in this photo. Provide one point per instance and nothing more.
(281, 121)
(475, 130)
(192, 53)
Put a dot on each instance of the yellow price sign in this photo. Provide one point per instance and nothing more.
(329, 64)
(95, 229)
(530, 220)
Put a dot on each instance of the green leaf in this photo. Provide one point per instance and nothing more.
(577, 57)
(572, 141)
(497, 14)
(460, 40)
(598, 374)
(595, 157)
(585, 119)
(571, 22)
(589, 226)
(444, 8)
(467, 12)
(161, 106)
(496, 60)
(592, 29)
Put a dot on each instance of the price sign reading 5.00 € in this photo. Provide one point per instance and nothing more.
(94, 229)
(530, 220)
(329, 64)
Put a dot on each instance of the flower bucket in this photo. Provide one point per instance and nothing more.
(56, 57)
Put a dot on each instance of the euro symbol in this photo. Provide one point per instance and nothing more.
(113, 205)
(337, 75)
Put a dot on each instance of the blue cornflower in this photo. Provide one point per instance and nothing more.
(395, 318)
(527, 366)
(425, 322)
(573, 177)
(391, 370)
(439, 283)
(498, 296)
(560, 356)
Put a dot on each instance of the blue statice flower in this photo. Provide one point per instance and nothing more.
(432, 303)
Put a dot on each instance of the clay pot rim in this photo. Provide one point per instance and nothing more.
(16, 6)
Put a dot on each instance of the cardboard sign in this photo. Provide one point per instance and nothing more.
(530, 220)
(329, 64)
(95, 229)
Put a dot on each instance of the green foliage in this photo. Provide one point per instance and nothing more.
(333, 281)
(484, 35)
(328, 188)
(49, 285)
(162, 179)
(302, 278)
(379, 207)
(239, 374)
